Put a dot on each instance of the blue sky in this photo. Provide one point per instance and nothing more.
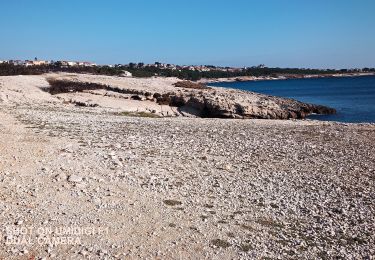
(284, 33)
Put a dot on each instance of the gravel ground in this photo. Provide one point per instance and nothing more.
(184, 188)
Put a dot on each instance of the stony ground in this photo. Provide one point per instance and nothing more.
(180, 188)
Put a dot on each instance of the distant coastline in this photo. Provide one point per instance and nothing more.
(202, 73)
(352, 96)
(284, 77)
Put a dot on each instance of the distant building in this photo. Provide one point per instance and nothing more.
(63, 63)
(35, 62)
(29, 63)
(234, 69)
(171, 66)
(86, 64)
(204, 68)
(72, 63)
(17, 62)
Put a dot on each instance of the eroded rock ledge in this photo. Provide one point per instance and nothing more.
(192, 99)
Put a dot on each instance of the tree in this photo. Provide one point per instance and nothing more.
(132, 65)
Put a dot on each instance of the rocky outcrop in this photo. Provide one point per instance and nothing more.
(191, 99)
(242, 105)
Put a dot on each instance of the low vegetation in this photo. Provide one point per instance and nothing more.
(58, 86)
(183, 73)
(191, 85)
(172, 202)
(12, 70)
(220, 243)
(139, 114)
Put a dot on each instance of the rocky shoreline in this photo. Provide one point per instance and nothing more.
(162, 97)
(284, 77)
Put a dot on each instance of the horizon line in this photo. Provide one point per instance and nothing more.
(197, 64)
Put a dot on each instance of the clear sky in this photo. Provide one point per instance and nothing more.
(284, 33)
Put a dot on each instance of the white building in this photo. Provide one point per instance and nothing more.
(86, 64)
(72, 63)
(64, 63)
(28, 63)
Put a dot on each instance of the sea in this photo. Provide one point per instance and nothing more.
(352, 97)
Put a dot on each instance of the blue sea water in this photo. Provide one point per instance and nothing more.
(352, 97)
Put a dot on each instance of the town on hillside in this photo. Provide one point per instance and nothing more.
(159, 65)
(186, 72)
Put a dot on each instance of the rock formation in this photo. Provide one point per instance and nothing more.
(201, 101)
